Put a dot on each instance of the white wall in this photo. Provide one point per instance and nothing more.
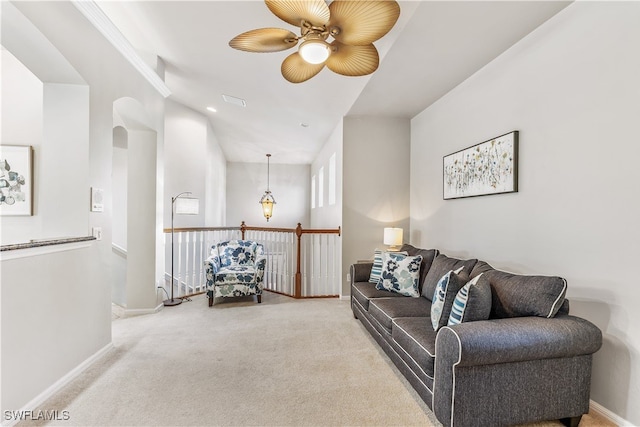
(53, 118)
(375, 190)
(194, 162)
(215, 182)
(328, 216)
(289, 185)
(572, 90)
(48, 328)
(39, 34)
(119, 179)
(184, 150)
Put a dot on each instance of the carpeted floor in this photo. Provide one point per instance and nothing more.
(284, 362)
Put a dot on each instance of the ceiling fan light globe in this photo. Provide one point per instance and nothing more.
(314, 51)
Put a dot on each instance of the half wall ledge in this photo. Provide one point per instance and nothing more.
(41, 246)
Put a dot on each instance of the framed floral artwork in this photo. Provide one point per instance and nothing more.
(16, 180)
(490, 167)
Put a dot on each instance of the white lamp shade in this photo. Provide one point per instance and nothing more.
(187, 205)
(392, 236)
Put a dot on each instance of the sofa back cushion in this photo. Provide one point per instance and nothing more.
(515, 295)
(480, 268)
(441, 265)
(428, 255)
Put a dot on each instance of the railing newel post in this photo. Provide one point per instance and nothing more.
(298, 291)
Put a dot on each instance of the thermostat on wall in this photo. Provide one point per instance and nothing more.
(97, 200)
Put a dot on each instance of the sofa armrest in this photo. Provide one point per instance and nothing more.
(517, 339)
(484, 363)
(360, 272)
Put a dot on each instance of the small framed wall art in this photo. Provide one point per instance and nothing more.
(490, 167)
(16, 180)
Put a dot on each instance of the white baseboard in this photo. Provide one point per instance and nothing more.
(123, 312)
(603, 412)
(58, 385)
(141, 311)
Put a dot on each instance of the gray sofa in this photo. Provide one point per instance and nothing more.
(530, 361)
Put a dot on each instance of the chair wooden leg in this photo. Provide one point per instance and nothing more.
(259, 298)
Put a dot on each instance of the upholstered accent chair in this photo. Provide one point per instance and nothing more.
(235, 268)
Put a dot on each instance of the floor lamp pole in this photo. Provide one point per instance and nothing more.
(172, 301)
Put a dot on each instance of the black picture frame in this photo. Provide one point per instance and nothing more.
(489, 167)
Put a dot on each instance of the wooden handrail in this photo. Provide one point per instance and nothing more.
(338, 231)
(245, 227)
(189, 229)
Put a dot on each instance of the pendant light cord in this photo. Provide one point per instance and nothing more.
(268, 157)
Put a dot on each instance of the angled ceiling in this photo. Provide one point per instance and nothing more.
(434, 46)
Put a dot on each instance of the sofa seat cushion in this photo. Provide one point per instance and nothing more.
(364, 291)
(418, 339)
(384, 310)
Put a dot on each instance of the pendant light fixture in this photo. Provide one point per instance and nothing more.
(267, 201)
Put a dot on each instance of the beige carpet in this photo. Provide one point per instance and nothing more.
(284, 362)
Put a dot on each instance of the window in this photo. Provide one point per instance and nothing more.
(332, 180)
(321, 187)
(313, 192)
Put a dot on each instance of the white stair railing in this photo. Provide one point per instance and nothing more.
(191, 247)
(302, 263)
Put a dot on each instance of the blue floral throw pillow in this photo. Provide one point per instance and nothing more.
(400, 274)
(376, 270)
(444, 295)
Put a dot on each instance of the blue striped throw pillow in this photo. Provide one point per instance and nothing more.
(376, 270)
(472, 302)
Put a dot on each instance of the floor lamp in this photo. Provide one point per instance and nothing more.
(182, 206)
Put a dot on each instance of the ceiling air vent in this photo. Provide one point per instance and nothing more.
(235, 101)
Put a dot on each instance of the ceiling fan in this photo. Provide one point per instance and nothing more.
(352, 24)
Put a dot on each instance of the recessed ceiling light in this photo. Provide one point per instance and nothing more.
(235, 101)
(213, 110)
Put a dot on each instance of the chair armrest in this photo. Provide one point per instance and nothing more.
(360, 272)
(261, 263)
(516, 339)
(212, 264)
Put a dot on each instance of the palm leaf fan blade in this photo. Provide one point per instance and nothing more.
(362, 22)
(353, 60)
(294, 12)
(264, 40)
(297, 70)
